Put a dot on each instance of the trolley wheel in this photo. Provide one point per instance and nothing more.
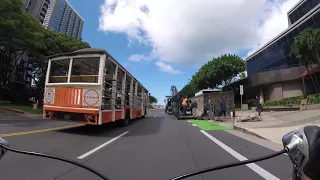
(125, 122)
(145, 112)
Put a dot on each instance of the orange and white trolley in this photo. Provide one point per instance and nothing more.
(90, 86)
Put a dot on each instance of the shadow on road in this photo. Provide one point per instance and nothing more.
(138, 127)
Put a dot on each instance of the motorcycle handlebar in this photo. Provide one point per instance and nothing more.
(231, 165)
(56, 158)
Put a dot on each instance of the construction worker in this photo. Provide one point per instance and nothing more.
(194, 108)
(184, 104)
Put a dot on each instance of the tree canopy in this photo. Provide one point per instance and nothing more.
(307, 46)
(153, 100)
(218, 71)
(21, 34)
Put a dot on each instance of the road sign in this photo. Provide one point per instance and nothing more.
(241, 89)
(241, 93)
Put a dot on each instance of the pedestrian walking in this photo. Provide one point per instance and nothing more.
(223, 107)
(259, 106)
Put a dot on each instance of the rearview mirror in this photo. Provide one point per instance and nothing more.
(2, 150)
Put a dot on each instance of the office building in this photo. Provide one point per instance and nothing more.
(57, 15)
(272, 72)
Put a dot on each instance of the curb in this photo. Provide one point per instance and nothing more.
(248, 132)
(13, 110)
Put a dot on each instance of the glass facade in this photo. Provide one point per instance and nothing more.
(57, 15)
(75, 27)
(276, 55)
(71, 24)
(80, 29)
(64, 19)
(303, 9)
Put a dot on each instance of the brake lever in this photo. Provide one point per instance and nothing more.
(3, 150)
(297, 146)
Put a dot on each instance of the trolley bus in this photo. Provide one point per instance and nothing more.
(91, 87)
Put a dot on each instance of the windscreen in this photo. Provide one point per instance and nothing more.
(85, 69)
(59, 71)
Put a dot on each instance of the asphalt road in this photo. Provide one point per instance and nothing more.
(158, 147)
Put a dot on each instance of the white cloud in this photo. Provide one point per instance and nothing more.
(189, 32)
(275, 24)
(136, 57)
(167, 68)
(140, 57)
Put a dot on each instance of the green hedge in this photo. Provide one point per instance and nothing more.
(251, 102)
(314, 99)
(311, 99)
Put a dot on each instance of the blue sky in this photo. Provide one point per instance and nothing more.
(147, 73)
(192, 37)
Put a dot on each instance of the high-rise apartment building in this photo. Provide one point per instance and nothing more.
(57, 15)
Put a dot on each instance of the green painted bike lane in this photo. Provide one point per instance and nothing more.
(208, 125)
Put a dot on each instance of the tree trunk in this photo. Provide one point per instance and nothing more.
(313, 81)
(316, 54)
(312, 74)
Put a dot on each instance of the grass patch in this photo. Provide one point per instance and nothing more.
(207, 125)
(25, 108)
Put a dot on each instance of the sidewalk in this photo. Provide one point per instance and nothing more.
(276, 124)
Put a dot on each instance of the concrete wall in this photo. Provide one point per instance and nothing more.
(276, 76)
(283, 89)
(294, 88)
(274, 91)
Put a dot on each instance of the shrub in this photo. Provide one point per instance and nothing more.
(314, 99)
(284, 101)
(296, 100)
(251, 102)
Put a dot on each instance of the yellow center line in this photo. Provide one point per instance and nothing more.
(40, 130)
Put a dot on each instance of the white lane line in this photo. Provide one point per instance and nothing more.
(262, 172)
(154, 116)
(12, 124)
(194, 125)
(101, 146)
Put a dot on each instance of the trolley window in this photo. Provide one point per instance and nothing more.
(59, 71)
(85, 70)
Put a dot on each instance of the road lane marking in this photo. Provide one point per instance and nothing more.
(194, 125)
(102, 145)
(12, 124)
(40, 130)
(262, 172)
(154, 116)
